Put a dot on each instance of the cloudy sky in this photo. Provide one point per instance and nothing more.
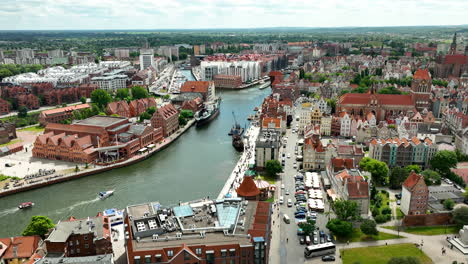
(182, 14)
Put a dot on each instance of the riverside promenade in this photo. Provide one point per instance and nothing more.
(247, 157)
(25, 185)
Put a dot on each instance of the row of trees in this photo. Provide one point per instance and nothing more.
(7, 70)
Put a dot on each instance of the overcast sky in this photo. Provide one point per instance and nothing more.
(188, 14)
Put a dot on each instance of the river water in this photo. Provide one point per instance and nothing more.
(194, 166)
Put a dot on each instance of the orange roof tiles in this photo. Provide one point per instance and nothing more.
(195, 87)
(384, 99)
(412, 180)
(65, 109)
(422, 74)
(20, 247)
(248, 188)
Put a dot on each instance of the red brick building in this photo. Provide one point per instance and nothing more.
(29, 100)
(120, 108)
(166, 117)
(205, 88)
(137, 107)
(415, 195)
(80, 237)
(18, 249)
(4, 107)
(148, 241)
(68, 95)
(60, 114)
(421, 89)
(193, 105)
(227, 81)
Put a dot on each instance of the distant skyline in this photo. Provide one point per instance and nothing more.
(212, 14)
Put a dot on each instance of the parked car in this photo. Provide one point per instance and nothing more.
(322, 240)
(328, 258)
(301, 240)
(321, 233)
(316, 241)
(287, 192)
(300, 192)
(300, 232)
(307, 240)
(398, 202)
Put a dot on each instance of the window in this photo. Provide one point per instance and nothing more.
(170, 253)
(72, 251)
(136, 260)
(158, 257)
(77, 242)
(71, 243)
(85, 237)
(232, 252)
(147, 259)
(186, 256)
(223, 253)
(86, 245)
(198, 251)
(232, 261)
(78, 251)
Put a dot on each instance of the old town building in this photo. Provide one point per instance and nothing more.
(29, 100)
(454, 64)
(414, 195)
(421, 89)
(193, 105)
(157, 234)
(17, 250)
(58, 115)
(120, 108)
(167, 118)
(205, 88)
(403, 151)
(80, 237)
(137, 107)
(4, 107)
(227, 81)
(7, 132)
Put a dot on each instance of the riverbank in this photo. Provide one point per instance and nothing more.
(53, 179)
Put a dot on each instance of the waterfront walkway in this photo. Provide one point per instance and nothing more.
(247, 157)
(24, 185)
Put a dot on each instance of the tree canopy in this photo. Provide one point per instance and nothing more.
(39, 225)
(308, 227)
(101, 98)
(443, 161)
(340, 228)
(431, 177)
(346, 210)
(122, 94)
(448, 204)
(369, 227)
(139, 92)
(397, 176)
(273, 167)
(378, 169)
(460, 216)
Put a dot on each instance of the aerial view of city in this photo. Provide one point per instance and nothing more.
(233, 132)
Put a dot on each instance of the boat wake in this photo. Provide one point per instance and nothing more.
(8, 211)
(73, 206)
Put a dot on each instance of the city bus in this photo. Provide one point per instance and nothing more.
(319, 250)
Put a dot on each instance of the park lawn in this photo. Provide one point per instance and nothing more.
(358, 236)
(270, 200)
(427, 230)
(11, 142)
(399, 213)
(270, 180)
(382, 254)
(37, 129)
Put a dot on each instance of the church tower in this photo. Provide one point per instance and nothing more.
(421, 89)
(453, 46)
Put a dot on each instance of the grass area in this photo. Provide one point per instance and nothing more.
(37, 129)
(4, 178)
(358, 236)
(270, 200)
(382, 254)
(399, 213)
(11, 142)
(427, 230)
(270, 180)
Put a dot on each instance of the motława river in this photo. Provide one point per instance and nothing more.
(194, 166)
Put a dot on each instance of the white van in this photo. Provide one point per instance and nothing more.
(286, 219)
(281, 200)
(290, 203)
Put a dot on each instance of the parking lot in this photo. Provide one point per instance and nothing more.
(306, 197)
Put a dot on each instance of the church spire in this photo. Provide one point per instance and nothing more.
(453, 46)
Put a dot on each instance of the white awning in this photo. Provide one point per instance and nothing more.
(143, 150)
(158, 255)
(209, 252)
(151, 145)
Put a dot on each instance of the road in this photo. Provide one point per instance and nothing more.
(286, 248)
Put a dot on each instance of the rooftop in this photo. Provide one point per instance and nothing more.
(63, 229)
(102, 121)
(99, 259)
(198, 222)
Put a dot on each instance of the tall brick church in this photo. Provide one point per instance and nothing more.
(421, 89)
(455, 63)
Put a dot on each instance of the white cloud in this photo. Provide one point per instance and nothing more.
(160, 14)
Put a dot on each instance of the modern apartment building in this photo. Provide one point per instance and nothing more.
(230, 230)
(267, 146)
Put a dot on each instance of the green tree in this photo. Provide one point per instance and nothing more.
(186, 113)
(121, 94)
(101, 98)
(301, 73)
(346, 209)
(308, 227)
(5, 73)
(83, 100)
(448, 204)
(340, 228)
(182, 121)
(39, 225)
(378, 169)
(273, 167)
(404, 260)
(145, 115)
(22, 111)
(415, 168)
(369, 227)
(332, 104)
(460, 216)
(139, 92)
(397, 176)
(151, 110)
(431, 177)
(443, 161)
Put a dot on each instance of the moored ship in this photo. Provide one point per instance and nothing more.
(236, 133)
(208, 113)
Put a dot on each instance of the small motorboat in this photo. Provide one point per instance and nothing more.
(26, 205)
(256, 109)
(104, 195)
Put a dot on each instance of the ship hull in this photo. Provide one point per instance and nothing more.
(204, 121)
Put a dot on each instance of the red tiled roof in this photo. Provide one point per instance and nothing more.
(422, 74)
(384, 99)
(456, 59)
(358, 189)
(75, 128)
(195, 87)
(21, 247)
(268, 120)
(412, 180)
(463, 173)
(65, 109)
(343, 163)
(167, 111)
(248, 188)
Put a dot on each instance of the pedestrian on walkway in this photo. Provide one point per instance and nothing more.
(287, 240)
